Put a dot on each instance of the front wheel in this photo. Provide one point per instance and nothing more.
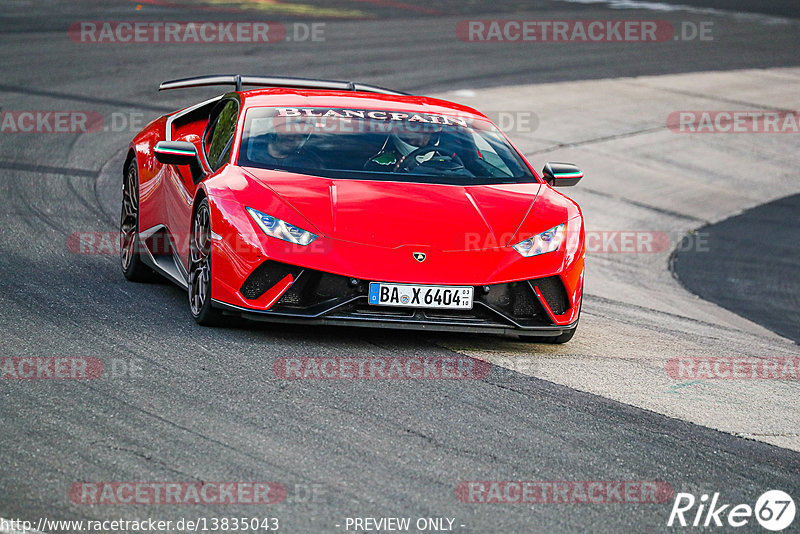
(200, 268)
(556, 340)
(563, 338)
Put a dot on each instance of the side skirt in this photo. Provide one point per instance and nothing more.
(161, 255)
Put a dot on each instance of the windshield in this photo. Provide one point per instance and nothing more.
(380, 145)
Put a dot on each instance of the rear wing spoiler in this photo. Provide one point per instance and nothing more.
(239, 81)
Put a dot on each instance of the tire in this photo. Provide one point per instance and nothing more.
(563, 338)
(555, 340)
(200, 268)
(131, 262)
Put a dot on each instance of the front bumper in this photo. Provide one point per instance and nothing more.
(291, 294)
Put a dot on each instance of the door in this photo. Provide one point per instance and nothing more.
(216, 146)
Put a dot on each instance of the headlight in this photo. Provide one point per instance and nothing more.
(279, 229)
(547, 241)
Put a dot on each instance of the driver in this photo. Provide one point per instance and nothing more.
(285, 145)
(402, 143)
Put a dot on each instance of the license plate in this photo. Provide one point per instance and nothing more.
(412, 296)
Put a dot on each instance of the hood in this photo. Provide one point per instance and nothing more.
(395, 214)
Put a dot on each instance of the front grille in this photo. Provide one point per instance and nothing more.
(554, 293)
(515, 299)
(265, 276)
(525, 303)
(315, 287)
(316, 293)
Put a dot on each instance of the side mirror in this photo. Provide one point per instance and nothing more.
(561, 174)
(180, 153)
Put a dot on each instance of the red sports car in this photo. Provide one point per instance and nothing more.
(326, 202)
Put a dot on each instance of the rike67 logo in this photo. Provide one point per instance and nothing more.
(774, 510)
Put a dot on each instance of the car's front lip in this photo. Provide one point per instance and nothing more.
(424, 322)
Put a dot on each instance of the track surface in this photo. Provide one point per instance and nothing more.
(760, 284)
(206, 405)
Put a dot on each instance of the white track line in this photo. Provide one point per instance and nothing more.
(662, 7)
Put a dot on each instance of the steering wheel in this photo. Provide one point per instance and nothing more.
(445, 161)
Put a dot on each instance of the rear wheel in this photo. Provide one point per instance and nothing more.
(130, 260)
(200, 268)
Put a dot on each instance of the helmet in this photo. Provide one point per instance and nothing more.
(411, 136)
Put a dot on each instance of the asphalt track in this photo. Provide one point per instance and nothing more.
(760, 284)
(206, 404)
